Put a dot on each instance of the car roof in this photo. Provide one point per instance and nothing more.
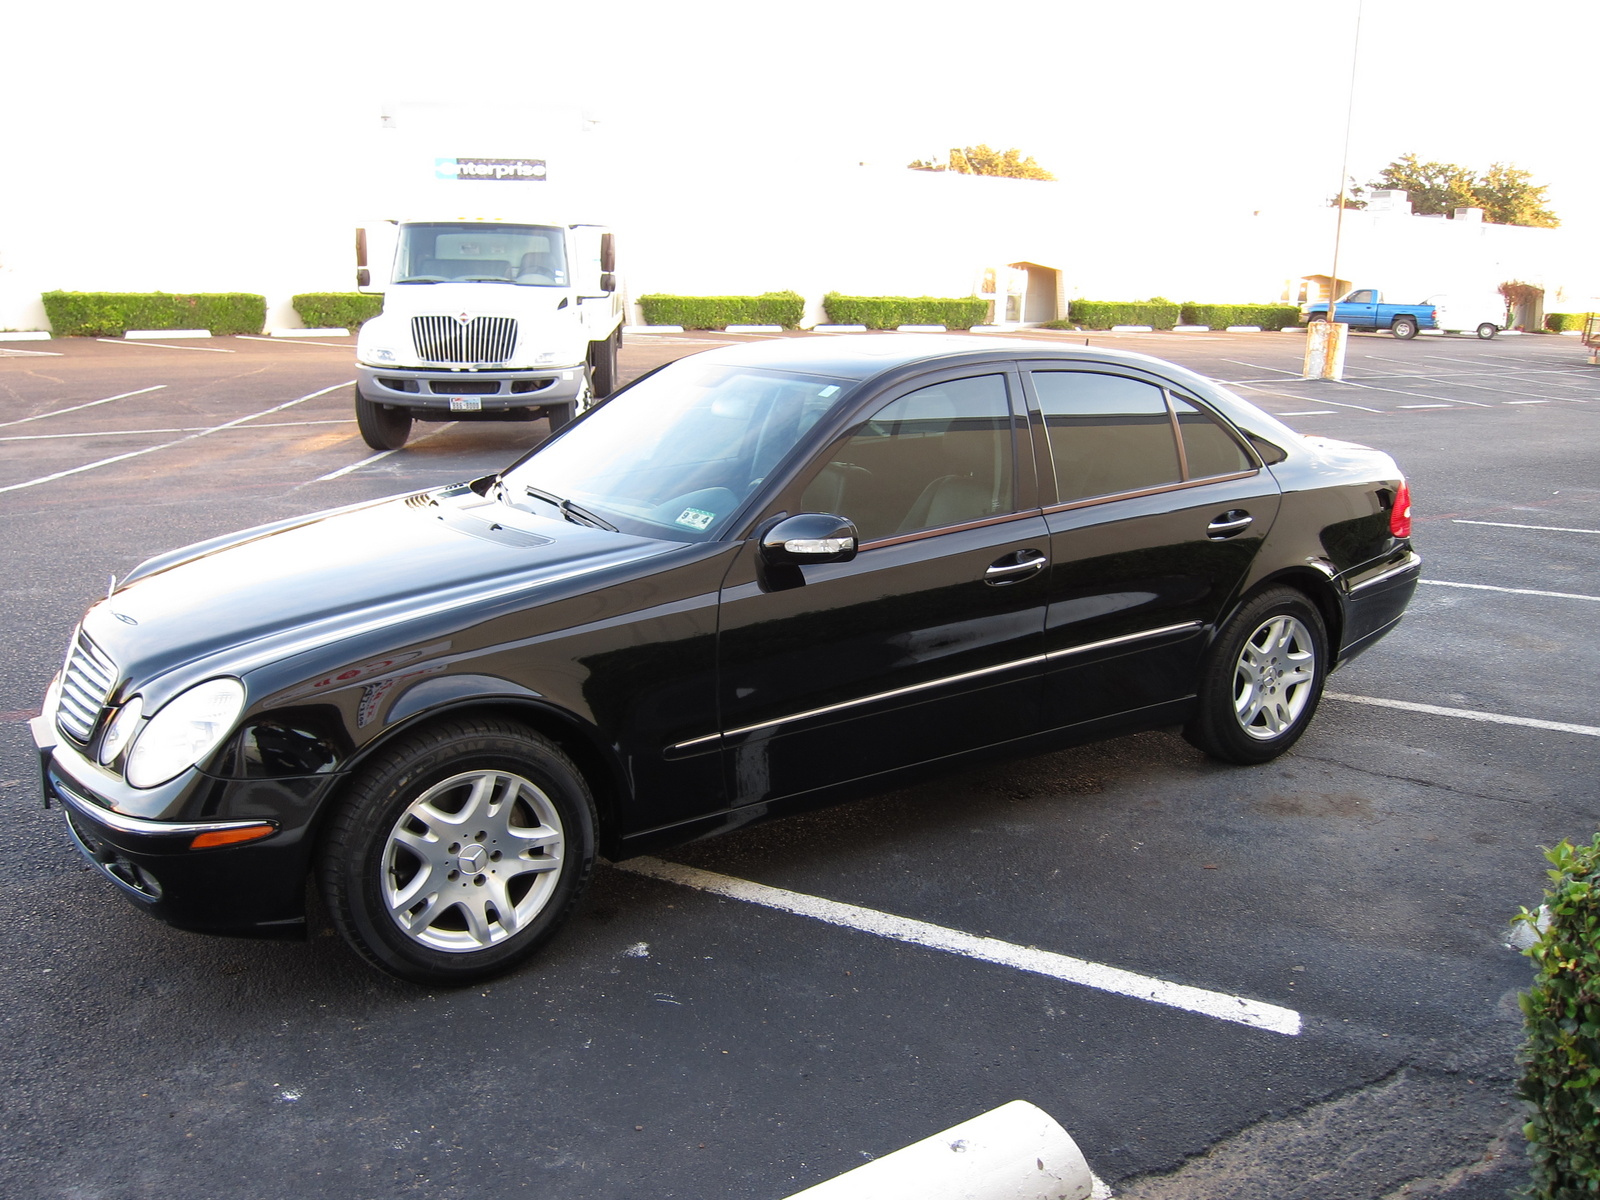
(864, 355)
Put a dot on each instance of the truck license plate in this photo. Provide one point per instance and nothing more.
(465, 404)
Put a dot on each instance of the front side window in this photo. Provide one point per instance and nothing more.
(676, 454)
(1359, 298)
(475, 252)
(938, 456)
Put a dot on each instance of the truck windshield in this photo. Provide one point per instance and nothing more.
(676, 455)
(532, 255)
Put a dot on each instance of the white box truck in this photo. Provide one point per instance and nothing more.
(485, 319)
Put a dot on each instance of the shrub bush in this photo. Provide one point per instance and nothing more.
(1103, 314)
(1566, 322)
(329, 310)
(714, 312)
(890, 312)
(1220, 316)
(111, 314)
(1561, 1056)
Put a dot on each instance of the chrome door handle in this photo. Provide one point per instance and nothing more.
(1022, 564)
(1229, 523)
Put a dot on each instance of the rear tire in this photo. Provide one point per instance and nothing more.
(1487, 331)
(1262, 679)
(603, 364)
(1404, 328)
(381, 428)
(459, 852)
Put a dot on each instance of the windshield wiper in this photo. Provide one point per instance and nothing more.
(577, 514)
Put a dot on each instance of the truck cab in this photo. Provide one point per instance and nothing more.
(484, 319)
(1366, 308)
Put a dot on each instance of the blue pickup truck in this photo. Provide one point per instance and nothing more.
(1365, 308)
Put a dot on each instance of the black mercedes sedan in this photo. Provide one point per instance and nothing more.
(760, 579)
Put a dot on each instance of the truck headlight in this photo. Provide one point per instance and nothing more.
(187, 728)
(379, 355)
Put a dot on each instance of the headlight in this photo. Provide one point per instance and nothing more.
(186, 729)
(380, 355)
(122, 729)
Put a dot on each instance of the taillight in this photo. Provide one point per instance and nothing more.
(1400, 513)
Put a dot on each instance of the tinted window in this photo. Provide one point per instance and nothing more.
(1358, 298)
(938, 456)
(1108, 433)
(1208, 448)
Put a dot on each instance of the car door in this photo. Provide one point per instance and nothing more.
(928, 642)
(1158, 511)
(1360, 308)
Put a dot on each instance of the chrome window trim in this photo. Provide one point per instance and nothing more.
(1031, 660)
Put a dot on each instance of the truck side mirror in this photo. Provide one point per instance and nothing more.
(363, 277)
(608, 253)
(608, 282)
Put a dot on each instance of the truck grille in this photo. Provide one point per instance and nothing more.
(480, 340)
(85, 684)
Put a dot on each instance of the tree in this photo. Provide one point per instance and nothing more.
(1506, 194)
(984, 160)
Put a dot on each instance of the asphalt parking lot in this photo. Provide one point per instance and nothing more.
(680, 1042)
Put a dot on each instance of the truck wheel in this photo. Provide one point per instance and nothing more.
(603, 364)
(381, 428)
(1314, 318)
(1487, 331)
(561, 417)
(1404, 328)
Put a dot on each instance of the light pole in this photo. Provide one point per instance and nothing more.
(1325, 346)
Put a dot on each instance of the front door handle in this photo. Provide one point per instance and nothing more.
(1014, 568)
(1225, 525)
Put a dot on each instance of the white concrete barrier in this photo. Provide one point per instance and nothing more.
(920, 329)
(752, 329)
(319, 331)
(1132, 329)
(1191, 329)
(652, 329)
(1244, 329)
(31, 335)
(1015, 1152)
(164, 334)
(838, 329)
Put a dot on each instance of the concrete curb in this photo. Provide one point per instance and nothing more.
(1244, 329)
(652, 329)
(752, 329)
(920, 329)
(838, 329)
(1132, 329)
(32, 335)
(1015, 1152)
(1191, 329)
(164, 334)
(1293, 329)
(337, 331)
(995, 329)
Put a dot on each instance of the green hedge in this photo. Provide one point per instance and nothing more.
(329, 310)
(714, 312)
(1561, 1011)
(1220, 316)
(1103, 314)
(890, 312)
(1566, 322)
(111, 314)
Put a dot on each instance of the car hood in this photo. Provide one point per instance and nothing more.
(266, 593)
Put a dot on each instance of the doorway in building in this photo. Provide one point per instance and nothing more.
(1040, 298)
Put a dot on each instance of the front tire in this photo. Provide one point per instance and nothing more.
(1487, 331)
(381, 428)
(603, 364)
(561, 417)
(1262, 680)
(459, 852)
(1404, 328)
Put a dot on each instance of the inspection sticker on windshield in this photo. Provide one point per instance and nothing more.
(696, 518)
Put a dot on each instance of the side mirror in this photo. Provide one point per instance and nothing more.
(796, 541)
(608, 282)
(363, 277)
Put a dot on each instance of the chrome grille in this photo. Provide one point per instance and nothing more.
(85, 685)
(480, 340)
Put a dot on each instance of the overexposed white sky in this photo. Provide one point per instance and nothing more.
(1223, 105)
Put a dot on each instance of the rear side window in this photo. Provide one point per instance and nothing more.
(1208, 448)
(1107, 433)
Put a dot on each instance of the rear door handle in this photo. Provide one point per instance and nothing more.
(1014, 568)
(1225, 525)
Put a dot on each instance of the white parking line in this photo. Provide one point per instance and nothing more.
(1466, 714)
(52, 437)
(1372, 387)
(164, 346)
(106, 462)
(6, 350)
(1264, 367)
(74, 408)
(1219, 1005)
(1489, 587)
(245, 337)
(1424, 406)
(1510, 525)
(1315, 412)
(1303, 399)
(372, 458)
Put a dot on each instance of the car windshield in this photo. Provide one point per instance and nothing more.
(532, 255)
(677, 454)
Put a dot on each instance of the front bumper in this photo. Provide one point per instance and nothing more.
(451, 393)
(256, 889)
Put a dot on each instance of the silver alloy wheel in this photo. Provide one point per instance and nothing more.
(1273, 679)
(472, 860)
